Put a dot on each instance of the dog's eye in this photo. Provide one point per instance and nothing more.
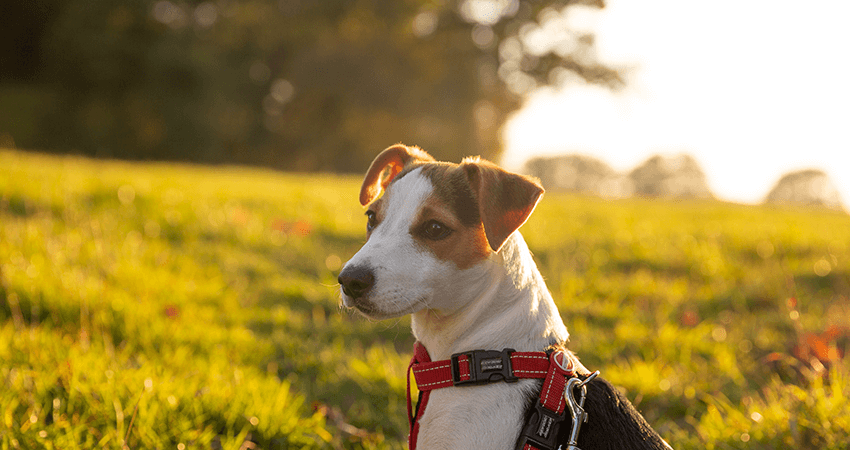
(370, 220)
(435, 230)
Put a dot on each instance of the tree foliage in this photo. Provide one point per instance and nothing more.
(293, 84)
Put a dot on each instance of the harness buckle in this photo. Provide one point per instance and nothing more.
(485, 366)
(542, 428)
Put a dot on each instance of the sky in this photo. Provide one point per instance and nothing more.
(752, 89)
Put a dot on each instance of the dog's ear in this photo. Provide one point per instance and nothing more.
(391, 160)
(505, 199)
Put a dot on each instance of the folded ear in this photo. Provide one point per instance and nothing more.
(395, 159)
(505, 199)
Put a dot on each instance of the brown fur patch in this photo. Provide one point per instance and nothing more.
(451, 186)
(479, 201)
(390, 161)
(378, 208)
(465, 246)
(505, 199)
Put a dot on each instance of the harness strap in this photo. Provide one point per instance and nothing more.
(420, 356)
(482, 366)
(439, 374)
(541, 430)
(560, 370)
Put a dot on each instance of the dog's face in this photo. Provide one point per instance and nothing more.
(432, 230)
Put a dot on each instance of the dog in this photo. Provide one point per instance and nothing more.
(443, 246)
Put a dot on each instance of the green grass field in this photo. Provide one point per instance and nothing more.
(162, 306)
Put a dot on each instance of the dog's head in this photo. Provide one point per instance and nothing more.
(431, 230)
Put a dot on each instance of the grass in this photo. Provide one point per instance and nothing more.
(169, 306)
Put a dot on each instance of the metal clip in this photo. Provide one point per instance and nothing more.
(577, 407)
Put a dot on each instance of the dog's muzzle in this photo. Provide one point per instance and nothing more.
(356, 281)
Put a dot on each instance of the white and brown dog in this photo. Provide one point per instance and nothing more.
(443, 246)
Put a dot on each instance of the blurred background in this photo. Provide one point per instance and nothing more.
(178, 185)
(752, 90)
(289, 84)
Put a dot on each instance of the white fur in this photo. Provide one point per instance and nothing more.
(512, 310)
(404, 272)
(501, 302)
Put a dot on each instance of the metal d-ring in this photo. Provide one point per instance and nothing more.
(565, 363)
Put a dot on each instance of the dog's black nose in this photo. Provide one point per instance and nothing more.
(356, 281)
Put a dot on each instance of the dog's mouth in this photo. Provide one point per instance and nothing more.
(368, 311)
(347, 300)
(368, 308)
(362, 305)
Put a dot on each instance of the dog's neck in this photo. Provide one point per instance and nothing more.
(501, 303)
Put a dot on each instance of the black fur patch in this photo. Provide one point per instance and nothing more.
(613, 423)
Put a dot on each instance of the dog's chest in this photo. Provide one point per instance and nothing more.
(488, 416)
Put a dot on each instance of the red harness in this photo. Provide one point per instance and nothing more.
(485, 366)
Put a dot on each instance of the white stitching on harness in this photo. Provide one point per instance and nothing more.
(530, 371)
(548, 388)
(545, 358)
(431, 384)
(443, 366)
(415, 371)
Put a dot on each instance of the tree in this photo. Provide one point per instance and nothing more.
(298, 84)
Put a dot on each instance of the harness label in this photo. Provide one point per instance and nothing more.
(545, 427)
(489, 365)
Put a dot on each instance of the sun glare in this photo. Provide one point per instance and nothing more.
(730, 83)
